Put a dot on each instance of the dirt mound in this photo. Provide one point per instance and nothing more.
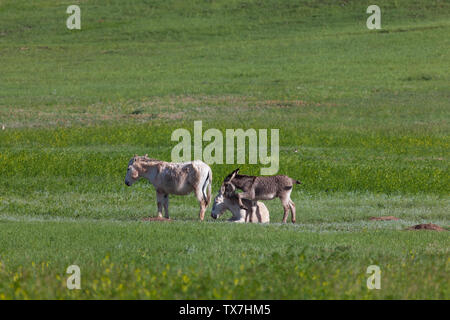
(386, 218)
(426, 226)
(156, 219)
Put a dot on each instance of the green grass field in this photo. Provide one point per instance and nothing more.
(363, 118)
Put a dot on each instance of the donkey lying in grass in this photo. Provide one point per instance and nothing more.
(173, 178)
(230, 201)
(262, 188)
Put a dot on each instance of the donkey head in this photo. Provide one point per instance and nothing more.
(219, 206)
(135, 169)
(228, 186)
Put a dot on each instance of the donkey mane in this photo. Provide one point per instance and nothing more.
(237, 176)
(145, 160)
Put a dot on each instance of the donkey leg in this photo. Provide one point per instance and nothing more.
(286, 213)
(245, 195)
(292, 207)
(159, 200)
(202, 211)
(285, 203)
(241, 205)
(202, 202)
(166, 205)
(252, 212)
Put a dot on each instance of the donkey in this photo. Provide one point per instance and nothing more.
(173, 178)
(230, 201)
(262, 188)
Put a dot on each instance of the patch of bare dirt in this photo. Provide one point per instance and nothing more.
(385, 218)
(156, 219)
(296, 103)
(165, 108)
(426, 226)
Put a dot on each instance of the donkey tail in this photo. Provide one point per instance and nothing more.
(207, 188)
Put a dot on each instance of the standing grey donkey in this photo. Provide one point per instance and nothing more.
(262, 188)
(173, 178)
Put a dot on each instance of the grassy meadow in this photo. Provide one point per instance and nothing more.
(364, 124)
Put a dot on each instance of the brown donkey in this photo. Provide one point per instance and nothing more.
(262, 188)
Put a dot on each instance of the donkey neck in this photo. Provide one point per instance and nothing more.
(233, 205)
(151, 170)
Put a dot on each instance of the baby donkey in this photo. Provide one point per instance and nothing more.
(262, 188)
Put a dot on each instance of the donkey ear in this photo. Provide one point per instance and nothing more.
(234, 173)
(222, 189)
